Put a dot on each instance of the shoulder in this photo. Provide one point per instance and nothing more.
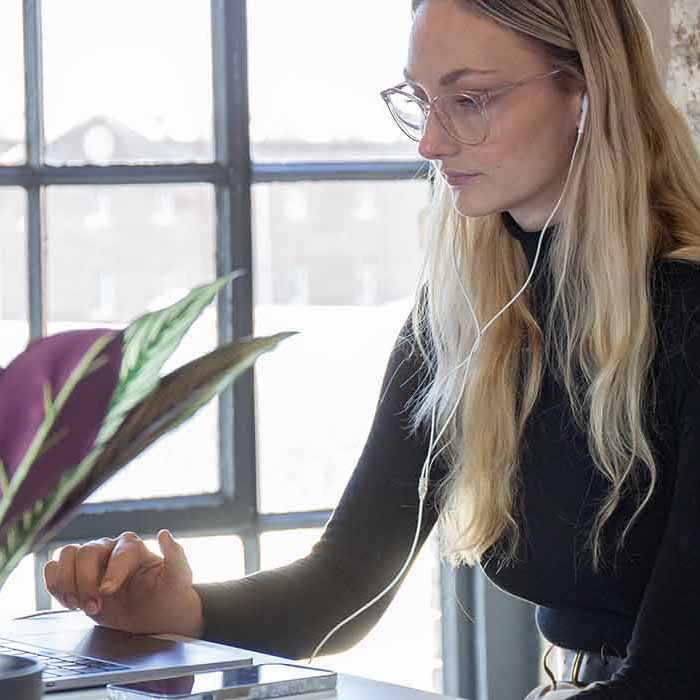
(676, 306)
(676, 293)
(673, 275)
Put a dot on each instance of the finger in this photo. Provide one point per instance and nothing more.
(51, 578)
(67, 589)
(175, 561)
(128, 554)
(90, 564)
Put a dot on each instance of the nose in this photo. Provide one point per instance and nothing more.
(436, 142)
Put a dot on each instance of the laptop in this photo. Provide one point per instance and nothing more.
(77, 653)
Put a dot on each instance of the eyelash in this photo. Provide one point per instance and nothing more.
(475, 93)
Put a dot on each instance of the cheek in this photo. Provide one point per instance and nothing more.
(518, 145)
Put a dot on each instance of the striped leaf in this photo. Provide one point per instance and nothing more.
(18, 540)
(178, 397)
(143, 408)
(149, 342)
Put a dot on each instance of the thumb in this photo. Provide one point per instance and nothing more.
(174, 560)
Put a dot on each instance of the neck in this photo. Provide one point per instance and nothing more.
(533, 221)
(529, 240)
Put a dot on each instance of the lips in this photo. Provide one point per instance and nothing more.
(453, 178)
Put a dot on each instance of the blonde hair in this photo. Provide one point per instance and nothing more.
(633, 198)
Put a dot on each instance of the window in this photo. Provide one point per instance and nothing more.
(403, 649)
(19, 591)
(133, 169)
(348, 322)
(319, 102)
(13, 273)
(130, 265)
(126, 91)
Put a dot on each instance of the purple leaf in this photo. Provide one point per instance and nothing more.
(50, 362)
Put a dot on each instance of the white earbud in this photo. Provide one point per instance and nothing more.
(584, 115)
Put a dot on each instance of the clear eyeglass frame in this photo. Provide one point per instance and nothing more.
(481, 99)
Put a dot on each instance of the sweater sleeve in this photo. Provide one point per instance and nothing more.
(287, 611)
(662, 661)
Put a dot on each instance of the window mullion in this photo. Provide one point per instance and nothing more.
(234, 242)
(251, 550)
(355, 171)
(269, 522)
(463, 666)
(36, 263)
(34, 137)
(33, 83)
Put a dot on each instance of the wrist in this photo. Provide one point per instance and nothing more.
(192, 620)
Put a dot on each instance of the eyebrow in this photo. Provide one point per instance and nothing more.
(455, 75)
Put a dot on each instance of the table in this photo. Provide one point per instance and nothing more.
(349, 688)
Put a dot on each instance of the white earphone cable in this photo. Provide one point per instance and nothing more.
(427, 465)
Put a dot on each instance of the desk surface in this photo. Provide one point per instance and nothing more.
(349, 688)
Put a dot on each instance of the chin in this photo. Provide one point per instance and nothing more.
(468, 205)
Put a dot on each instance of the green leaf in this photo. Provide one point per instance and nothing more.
(179, 395)
(18, 539)
(4, 481)
(148, 343)
(143, 408)
(183, 392)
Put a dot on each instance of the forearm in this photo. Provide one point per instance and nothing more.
(288, 611)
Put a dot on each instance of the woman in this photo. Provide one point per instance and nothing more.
(566, 455)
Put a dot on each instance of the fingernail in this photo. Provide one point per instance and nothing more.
(91, 607)
(107, 587)
(72, 601)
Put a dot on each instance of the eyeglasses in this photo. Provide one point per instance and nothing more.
(464, 116)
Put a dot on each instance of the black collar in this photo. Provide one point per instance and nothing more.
(529, 239)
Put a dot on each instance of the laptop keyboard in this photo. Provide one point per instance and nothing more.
(59, 664)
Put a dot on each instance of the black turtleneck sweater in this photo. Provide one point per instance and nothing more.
(647, 608)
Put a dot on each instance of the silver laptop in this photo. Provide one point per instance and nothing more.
(77, 653)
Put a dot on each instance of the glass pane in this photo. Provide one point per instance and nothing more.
(217, 558)
(127, 82)
(212, 559)
(14, 326)
(321, 102)
(55, 605)
(405, 646)
(140, 248)
(12, 149)
(340, 263)
(17, 596)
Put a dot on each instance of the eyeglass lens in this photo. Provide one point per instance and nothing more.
(460, 115)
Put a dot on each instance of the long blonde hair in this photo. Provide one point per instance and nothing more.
(633, 198)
